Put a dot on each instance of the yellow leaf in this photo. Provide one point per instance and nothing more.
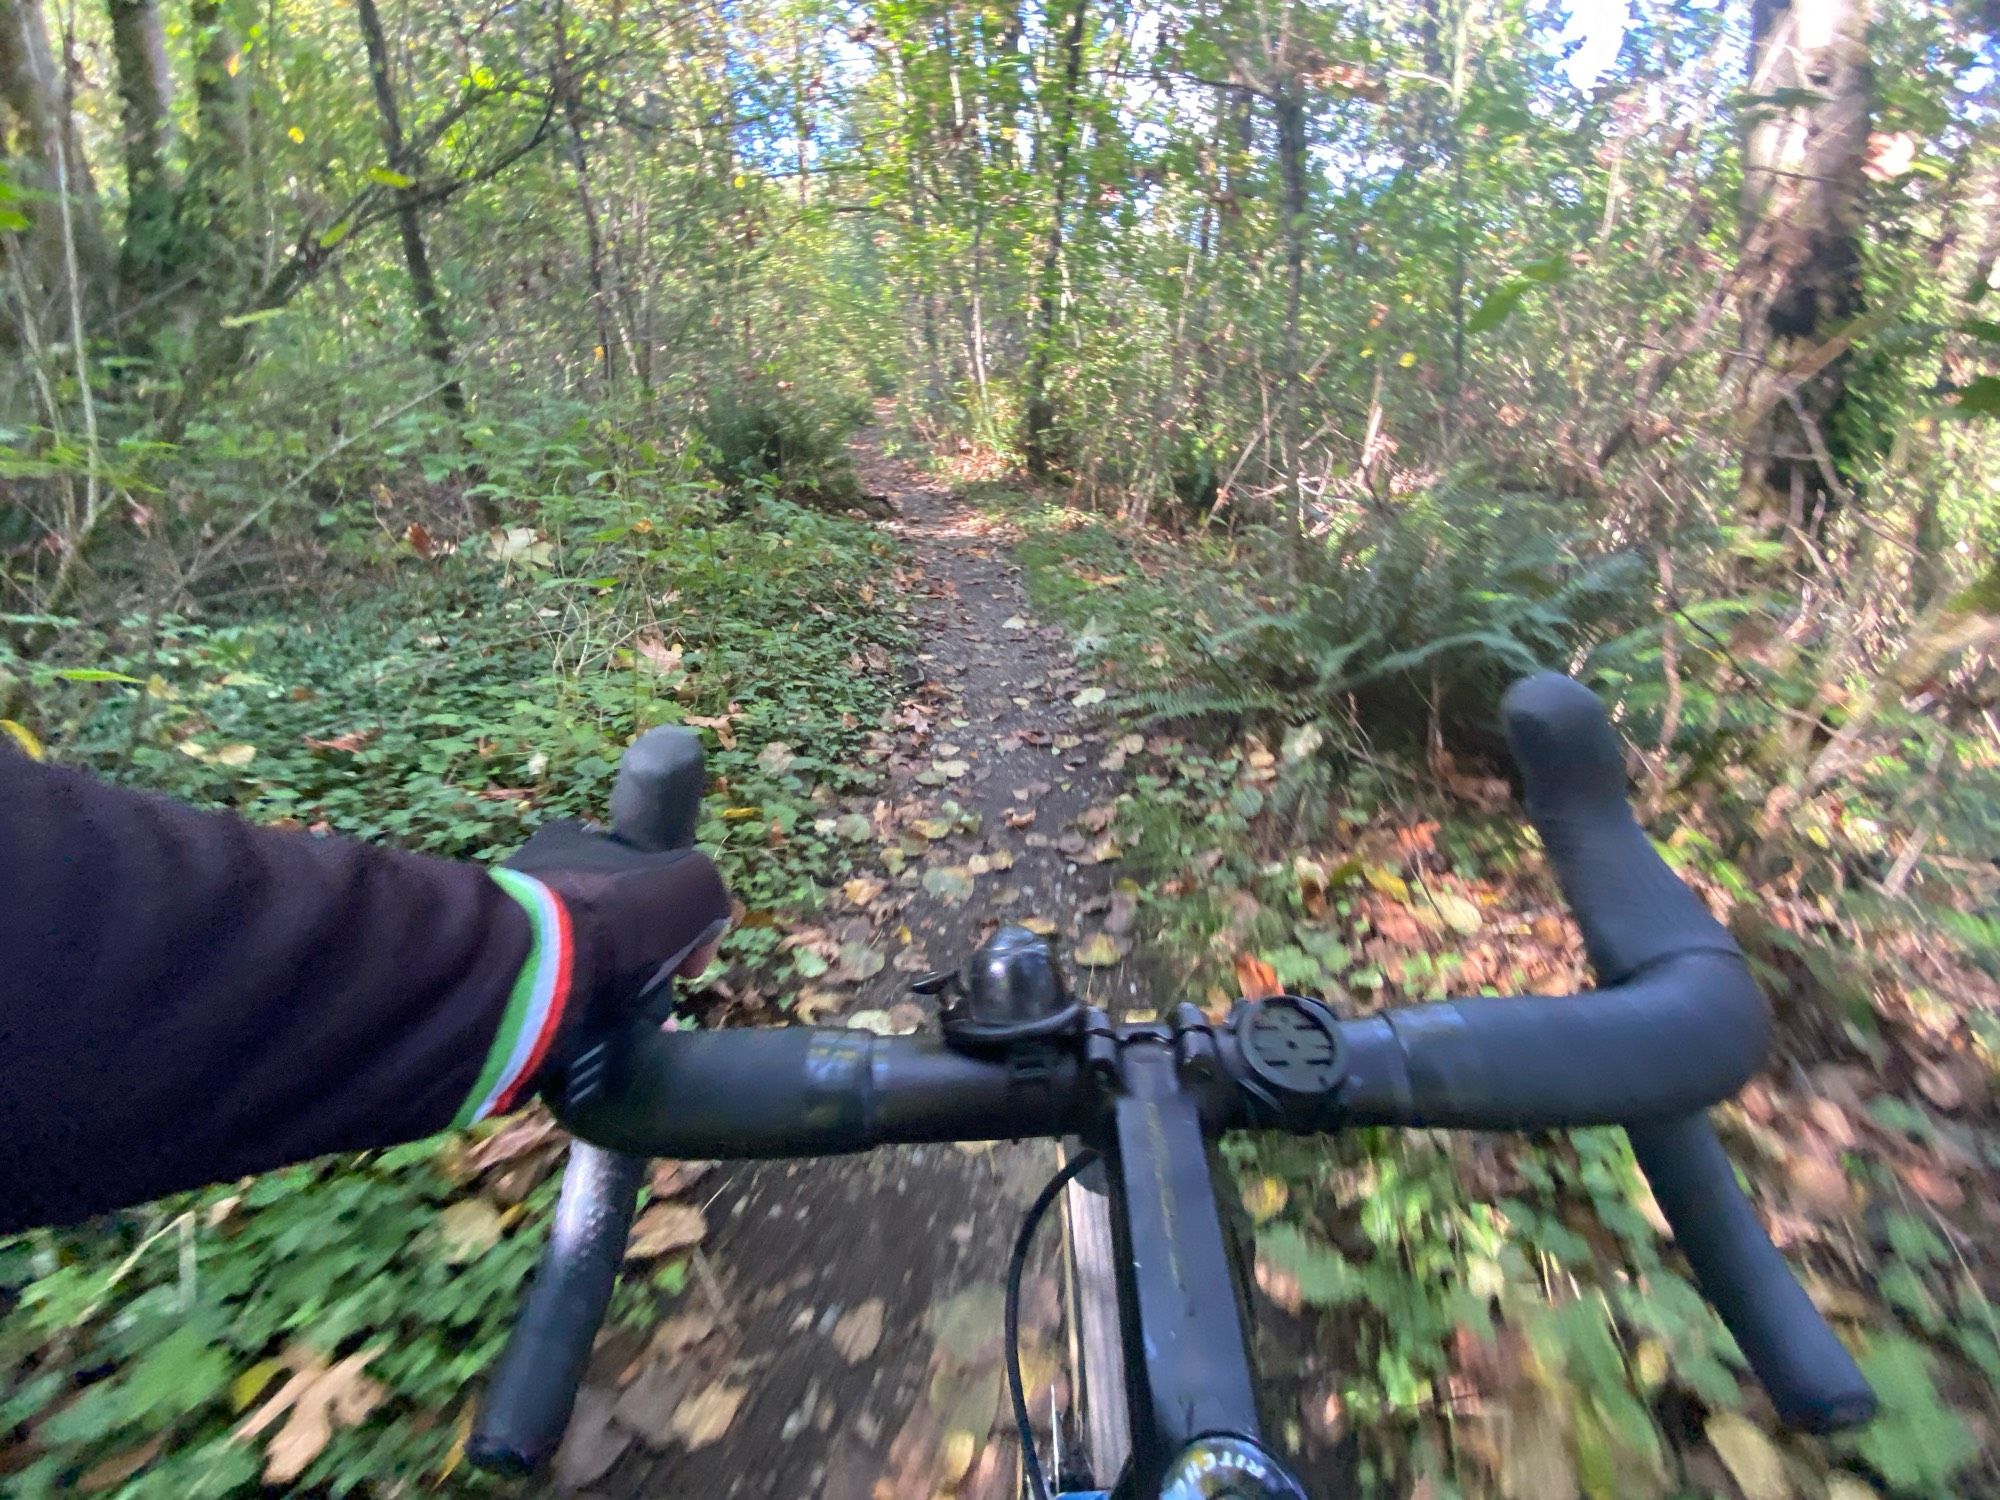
(246, 1387)
(1265, 1197)
(234, 65)
(1752, 1459)
(461, 1434)
(298, 136)
(704, 1418)
(1461, 914)
(960, 1448)
(468, 1228)
(1407, 360)
(235, 755)
(1039, 926)
(859, 1331)
(1098, 951)
(1387, 881)
(23, 736)
(740, 814)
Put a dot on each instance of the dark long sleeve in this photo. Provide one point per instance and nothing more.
(186, 998)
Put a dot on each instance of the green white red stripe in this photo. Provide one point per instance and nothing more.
(534, 1006)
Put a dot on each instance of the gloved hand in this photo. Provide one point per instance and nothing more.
(638, 918)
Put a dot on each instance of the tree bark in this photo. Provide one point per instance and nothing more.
(1803, 154)
(1039, 413)
(409, 214)
(41, 137)
(1290, 115)
(145, 94)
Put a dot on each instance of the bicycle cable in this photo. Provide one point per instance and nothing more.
(1017, 1264)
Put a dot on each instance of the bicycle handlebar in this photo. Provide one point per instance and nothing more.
(1679, 1026)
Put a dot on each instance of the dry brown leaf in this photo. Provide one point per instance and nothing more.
(671, 1177)
(120, 1467)
(1018, 817)
(665, 1227)
(657, 654)
(1255, 979)
(314, 1402)
(862, 890)
(705, 1416)
(520, 1135)
(859, 1331)
(719, 724)
(680, 1333)
(346, 744)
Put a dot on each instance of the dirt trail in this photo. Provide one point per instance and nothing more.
(841, 1332)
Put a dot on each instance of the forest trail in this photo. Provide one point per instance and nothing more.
(853, 1305)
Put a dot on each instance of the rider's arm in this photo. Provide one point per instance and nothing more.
(186, 998)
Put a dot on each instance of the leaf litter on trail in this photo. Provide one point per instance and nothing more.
(859, 1331)
(317, 1400)
(704, 1417)
(1100, 951)
(664, 1228)
(949, 883)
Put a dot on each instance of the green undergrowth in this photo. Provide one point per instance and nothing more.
(1487, 1315)
(446, 698)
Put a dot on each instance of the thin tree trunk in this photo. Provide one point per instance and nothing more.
(1039, 412)
(409, 219)
(145, 93)
(1802, 187)
(1291, 122)
(41, 137)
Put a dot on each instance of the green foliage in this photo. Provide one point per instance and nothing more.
(762, 436)
(448, 704)
(1917, 1443)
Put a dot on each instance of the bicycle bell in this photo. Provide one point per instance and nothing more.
(1010, 990)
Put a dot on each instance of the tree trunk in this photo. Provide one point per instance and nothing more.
(1803, 153)
(145, 93)
(216, 198)
(1039, 412)
(42, 140)
(409, 219)
(1290, 113)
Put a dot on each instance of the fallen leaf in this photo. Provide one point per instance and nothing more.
(1040, 926)
(657, 654)
(1098, 951)
(1752, 1459)
(314, 1402)
(520, 1135)
(665, 1227)
(950, 883)
(346, 744)
(420, 540)
(1132, 744)
(706, 1416)
(776, 757)
(118, 1468)
(1090, 697)
(680, 1333)
(1387, 881)
(1460, 914)
(234, 755)
(861, 890)
(670, 1177)
(23, 736)
(1013, 622)
(1118, 918)
(859, 1331)
(858, 962)
(950, 769)
(1265, 1197)
(854, 827)
(811, 1006)
(1255, 979)
(468, 1229)
(1937, 1085)
(1016, 818)
(877, 1021)
(591, 1443)
(719, 726)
